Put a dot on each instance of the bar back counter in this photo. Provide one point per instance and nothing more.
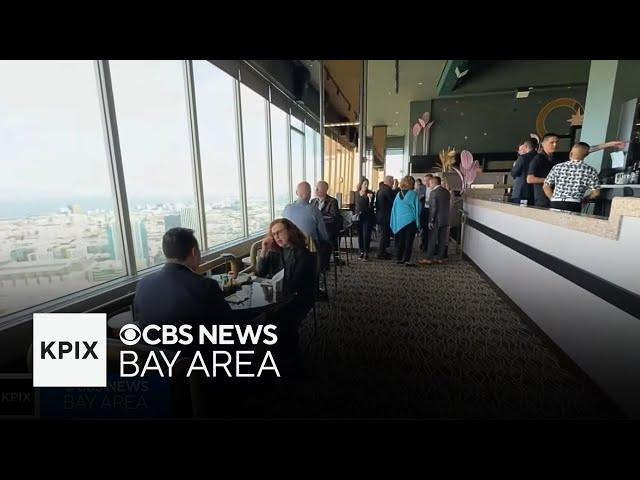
(576, 276)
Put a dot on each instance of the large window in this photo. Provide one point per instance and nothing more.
(318, 158)
(60, 230)
(394, 163)
(309, 156)
(58, 233)
(297, 158)
(254, 131)
(216, 112)
(280, 158)
(153, 123)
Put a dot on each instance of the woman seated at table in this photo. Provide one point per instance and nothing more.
(284, 247)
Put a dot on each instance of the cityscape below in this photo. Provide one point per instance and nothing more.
(48, 255)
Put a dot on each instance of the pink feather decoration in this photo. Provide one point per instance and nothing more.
(468, 169)
(422, 123)
(466, 160)
(417, 128)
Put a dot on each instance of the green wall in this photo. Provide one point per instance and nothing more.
(492, 123)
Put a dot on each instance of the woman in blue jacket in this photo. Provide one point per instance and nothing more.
(405, 219)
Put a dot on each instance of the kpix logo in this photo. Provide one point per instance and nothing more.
(69, 350)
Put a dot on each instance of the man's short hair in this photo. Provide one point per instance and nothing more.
(428, 175)
(549, 135)
(177, 243)
(437, 179)
(583, 145)
(323, 183)
(532, 143)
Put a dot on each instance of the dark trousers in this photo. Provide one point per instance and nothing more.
(385, 237)
(404, 242)
(438, 237)
(424, 222)
(569, 206)
(365, 225)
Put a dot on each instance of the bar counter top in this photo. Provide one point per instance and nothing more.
(593, 224)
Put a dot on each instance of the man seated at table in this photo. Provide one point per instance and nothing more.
(176, 294)
(328, 207)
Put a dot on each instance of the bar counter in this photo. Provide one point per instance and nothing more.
(575, 276)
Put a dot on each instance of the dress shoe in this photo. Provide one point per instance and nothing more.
(425, 262)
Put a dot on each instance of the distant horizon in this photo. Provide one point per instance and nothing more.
(51, 204)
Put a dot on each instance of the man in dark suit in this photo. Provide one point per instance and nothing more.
(328, 207)
(521, 189)
(384, 204)
(439, 205)
(176, 294)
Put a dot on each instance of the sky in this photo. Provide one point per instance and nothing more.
(53, 140)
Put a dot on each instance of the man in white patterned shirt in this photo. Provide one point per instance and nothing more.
(567, 182)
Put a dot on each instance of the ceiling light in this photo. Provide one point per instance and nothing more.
(419, 83)
(397, 113)
(523, 92)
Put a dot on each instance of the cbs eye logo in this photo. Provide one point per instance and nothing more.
(130, 334)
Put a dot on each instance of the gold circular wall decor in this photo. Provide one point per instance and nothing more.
(571, 103)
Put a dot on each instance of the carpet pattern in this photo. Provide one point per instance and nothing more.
(426, 342)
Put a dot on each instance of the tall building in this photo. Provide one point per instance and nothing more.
(141, 242)
(172, 221)
(189, 219)
(114, 245)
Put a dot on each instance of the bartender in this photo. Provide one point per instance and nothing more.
(540, 167)
(543, 162)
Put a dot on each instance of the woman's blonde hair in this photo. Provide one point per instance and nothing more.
(407, 183)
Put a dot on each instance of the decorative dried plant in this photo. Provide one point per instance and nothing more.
(447, 159)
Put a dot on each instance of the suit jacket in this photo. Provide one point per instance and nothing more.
(176, 295)
(329, 212)
(439, 204)
(522, 189)
(299, 271)
(384, 204)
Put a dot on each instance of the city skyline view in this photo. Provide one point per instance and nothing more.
(59, 231)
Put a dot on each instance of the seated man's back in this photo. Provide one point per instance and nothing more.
(176, 295)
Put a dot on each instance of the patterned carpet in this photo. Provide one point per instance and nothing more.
(426, 342)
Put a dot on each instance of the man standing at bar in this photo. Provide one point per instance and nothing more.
(539, 168)
(521, 189)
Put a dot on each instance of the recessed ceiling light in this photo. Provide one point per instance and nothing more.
(397, 113)
(419, 83)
